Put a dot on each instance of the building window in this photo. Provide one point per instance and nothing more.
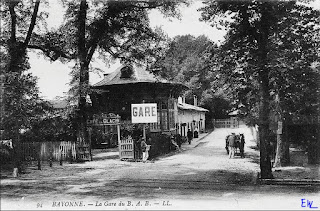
(126, 72)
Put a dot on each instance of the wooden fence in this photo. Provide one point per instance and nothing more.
(126, 148)
(226, 123)
(31, 151)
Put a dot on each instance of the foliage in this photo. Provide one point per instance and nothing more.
(114, 29)
(51, 129)
(264, 39)
(267, 57)
(218, 106)
(22, 104)
(160, 144)
(191, 60)
(293, 48)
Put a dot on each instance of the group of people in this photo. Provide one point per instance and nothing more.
(233, 142)
(176, 140)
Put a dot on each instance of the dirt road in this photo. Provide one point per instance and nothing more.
(199, 177)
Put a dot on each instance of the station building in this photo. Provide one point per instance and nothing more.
(134, 84)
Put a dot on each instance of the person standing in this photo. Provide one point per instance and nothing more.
(232, 145)
(189, 135)
(196, 133)
(242, 142)
(179, 140)
(137, 147)
(145, 150)
(227, 144)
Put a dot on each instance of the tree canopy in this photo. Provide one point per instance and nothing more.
(270, 48)
(189, 60)
(21, 103)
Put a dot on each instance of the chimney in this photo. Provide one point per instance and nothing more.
(105, 75)
(183, 99)
(195, 100)
(180, 100)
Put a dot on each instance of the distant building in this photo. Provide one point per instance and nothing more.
(190, 117)
(61, 107)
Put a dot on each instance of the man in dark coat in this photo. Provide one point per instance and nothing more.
(242, 142)
(189, 135)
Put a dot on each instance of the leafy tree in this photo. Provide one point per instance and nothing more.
(295, 53)
(248, 53)
(21, 103)
(111, 29)
(55, 128)
(22, 26)
(188, 60)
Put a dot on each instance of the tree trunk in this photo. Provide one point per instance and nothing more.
(82, 133)
(313, 144)
(286, 145)
(282, 153)
(278, 160)
(16, 60)
(2, 94)
(17, 64)
(318, 144)
(265, 162)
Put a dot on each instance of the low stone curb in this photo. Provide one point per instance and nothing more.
(198, 141)
(288, 182)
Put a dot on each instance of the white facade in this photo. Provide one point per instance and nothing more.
(190, 117)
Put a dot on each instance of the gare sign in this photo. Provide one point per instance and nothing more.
(144, 113)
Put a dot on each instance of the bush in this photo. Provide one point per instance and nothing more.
(6, 153)
(160, 144)
(50, 129)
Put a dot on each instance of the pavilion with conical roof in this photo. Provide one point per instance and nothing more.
(134, 84)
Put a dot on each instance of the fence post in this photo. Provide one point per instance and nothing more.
(39, 162)
(15, 172)
(50, 154)
(60, 156)
(70, 155)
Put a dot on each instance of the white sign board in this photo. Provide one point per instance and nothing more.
(144, 113)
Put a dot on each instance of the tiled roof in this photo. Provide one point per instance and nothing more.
(140, 75)
(185, 106)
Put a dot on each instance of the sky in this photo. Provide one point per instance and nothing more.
(53, 77)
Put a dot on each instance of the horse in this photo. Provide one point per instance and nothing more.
(239, 144)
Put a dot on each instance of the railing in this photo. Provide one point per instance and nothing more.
(126, 148)
(226, 123)
(30, 151)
